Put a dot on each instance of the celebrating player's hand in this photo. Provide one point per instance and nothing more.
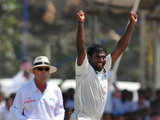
(133, 17)
(81, 16)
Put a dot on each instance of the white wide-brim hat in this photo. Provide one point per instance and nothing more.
(43, 61)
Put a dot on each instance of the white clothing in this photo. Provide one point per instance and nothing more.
(91, 91)
(31, 104)
(6, 114)
(19, 80)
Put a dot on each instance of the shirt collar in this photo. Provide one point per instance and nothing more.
(103, 71)
(34, 87)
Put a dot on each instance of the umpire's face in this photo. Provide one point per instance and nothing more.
(41, 73)
(98, 60)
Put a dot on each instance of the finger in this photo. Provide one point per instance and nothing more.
(134, 14)
(134, 18)
(82, 13)
(80, 10)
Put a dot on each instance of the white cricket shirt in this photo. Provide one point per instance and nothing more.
(31, 104)
(91, 91)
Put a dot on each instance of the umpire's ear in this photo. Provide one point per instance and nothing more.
(33, 70)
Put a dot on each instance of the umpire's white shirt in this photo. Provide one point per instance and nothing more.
(91, 91)
(31, 104)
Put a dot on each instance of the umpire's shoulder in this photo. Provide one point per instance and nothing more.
(25, 88)
(53, 87)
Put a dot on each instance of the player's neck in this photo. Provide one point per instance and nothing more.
(95, 68)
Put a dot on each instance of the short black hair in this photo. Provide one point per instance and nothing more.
(95, 48)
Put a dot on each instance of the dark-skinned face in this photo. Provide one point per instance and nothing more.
(97, 60)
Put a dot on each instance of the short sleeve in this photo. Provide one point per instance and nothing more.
(83, 67)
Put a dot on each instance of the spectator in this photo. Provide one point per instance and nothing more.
(5, 113)
(69, 104)
(22, 77)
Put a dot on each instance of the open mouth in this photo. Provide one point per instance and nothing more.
(100, 64)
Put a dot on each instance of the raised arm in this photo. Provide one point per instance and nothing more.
(80, 38)
(124, 41)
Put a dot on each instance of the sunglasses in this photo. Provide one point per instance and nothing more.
(42, 68)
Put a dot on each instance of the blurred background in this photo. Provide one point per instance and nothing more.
(29, 28)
